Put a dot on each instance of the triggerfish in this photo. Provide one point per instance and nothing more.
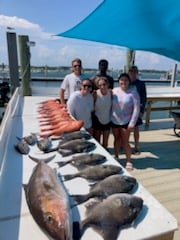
(112, 214)
(48, 202)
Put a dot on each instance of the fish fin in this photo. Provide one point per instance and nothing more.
(47, 186)
(107, 232)
(19, 138)
(78, 199)
(50, 150)
(65, 152)
(89, 206)
(68, 177)
(62, 163)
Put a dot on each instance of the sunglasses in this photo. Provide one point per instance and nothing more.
(76, 66)
(88, 86)
(102, 85)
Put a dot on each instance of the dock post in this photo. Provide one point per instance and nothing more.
(173, 77)
(13, 61)
(130, 59)
(25, 64)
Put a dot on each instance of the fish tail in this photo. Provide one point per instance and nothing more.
(37, 160)
(78, 199)
(62, 163)
(68, 177)
(50, 150)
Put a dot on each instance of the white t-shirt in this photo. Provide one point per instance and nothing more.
(80, 107)
(102, 107)
(71, 83)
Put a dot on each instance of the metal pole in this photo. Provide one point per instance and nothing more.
(13, 61)
(25, 64)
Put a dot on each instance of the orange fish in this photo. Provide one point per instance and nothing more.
(49, 203)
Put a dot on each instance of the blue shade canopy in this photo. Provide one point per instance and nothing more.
(149, 25)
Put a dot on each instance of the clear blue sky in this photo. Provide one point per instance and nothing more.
(41, 19)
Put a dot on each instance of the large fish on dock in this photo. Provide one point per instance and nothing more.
(75, 135)
(95, 173)
(109, 216)
(48, 203)
(113, 184)
(84, 160)
(73, 146)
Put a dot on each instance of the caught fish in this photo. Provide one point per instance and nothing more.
(73, 146)
(48, 202)
(83, 160)
(31, 139)
(113, 184)
(109, 216)
(22, 147)
(95, 173)
(44, 144)
(76, 135)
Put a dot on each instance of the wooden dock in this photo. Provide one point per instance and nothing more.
(157, 168)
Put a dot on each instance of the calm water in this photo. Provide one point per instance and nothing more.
(143, 76)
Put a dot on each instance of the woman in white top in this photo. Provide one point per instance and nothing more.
(102, 111)
(81, 104)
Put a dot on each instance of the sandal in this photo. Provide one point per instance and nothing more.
(129, 166)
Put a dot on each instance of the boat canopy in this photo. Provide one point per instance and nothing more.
(151, 25)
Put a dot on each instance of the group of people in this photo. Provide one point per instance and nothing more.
(103, 107)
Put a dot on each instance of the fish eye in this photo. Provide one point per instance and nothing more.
(48, 217)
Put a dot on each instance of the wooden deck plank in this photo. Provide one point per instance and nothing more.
(157, 168)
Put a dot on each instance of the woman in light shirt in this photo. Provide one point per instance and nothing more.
(125, 112)
(81, 104)
(102, 111)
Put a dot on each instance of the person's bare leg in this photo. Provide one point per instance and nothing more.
(105, 138)
(97, 135)
(117, 141)
(136, 140)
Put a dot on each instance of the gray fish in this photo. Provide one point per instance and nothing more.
(22, 147)
(109, 216)
(31, 139)
(48, 202)
(44, 144)
(113, 184)
(73, 146)
(81, 161)
(76, 135)
(95, 173)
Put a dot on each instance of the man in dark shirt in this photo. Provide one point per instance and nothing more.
(103, 67)
(141, 89)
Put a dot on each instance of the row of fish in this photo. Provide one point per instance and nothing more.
(110, 204)
(49, 205)
(54, 119)
(69, 143)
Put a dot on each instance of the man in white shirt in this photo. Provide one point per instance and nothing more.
(72, 81)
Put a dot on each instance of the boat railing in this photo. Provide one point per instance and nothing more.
(6, 126)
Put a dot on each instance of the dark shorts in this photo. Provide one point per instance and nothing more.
(139, 122)
(99, 126)
(113, 125)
